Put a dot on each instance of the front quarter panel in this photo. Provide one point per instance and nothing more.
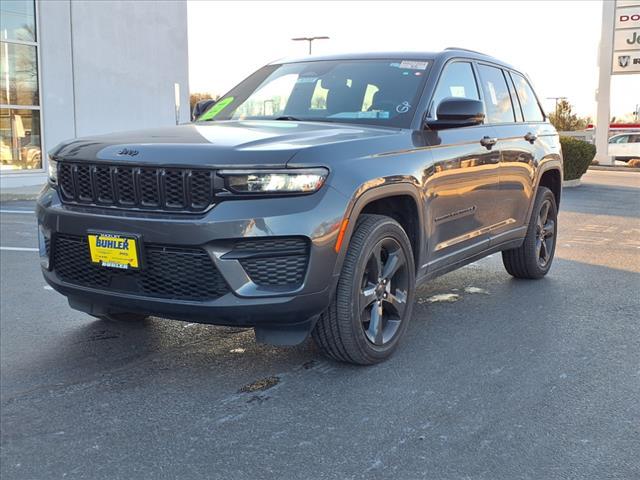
(398, 166)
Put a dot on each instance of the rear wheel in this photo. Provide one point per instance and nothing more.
(534, 257)
(374, 298)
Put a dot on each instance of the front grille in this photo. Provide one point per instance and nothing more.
(168, 272)
(126, 187)
(274, 262)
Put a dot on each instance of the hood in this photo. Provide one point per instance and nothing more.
(225, 144)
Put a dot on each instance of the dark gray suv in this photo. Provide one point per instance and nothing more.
(310, 199)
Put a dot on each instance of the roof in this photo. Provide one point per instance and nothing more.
(405, 55)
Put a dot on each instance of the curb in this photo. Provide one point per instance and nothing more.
(29, 192)
(571, 183)
(10, 197)
(604, 168)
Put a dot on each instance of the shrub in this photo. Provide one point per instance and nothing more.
(577, 155)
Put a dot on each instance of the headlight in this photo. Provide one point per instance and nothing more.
(274, 181)
(53, 170)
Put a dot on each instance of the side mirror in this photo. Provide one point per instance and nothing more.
(455, 112)
(200, 107)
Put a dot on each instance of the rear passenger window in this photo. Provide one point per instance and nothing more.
(528, 101)
(514, 98)
(496, 95)
(457, 80)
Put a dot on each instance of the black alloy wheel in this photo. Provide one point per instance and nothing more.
(545, 234)
(373, 302)
(383, 295)
(533, 258)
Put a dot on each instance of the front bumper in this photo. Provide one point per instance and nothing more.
(246, 303)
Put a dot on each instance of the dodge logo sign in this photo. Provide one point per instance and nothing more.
(623, 60)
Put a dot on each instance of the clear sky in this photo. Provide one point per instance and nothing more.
(555, 42)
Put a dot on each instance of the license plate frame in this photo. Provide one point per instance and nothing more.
(124, 254)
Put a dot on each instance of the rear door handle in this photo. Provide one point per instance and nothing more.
(488, 142)
(530, 137)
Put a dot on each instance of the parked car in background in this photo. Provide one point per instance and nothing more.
(625, 146)
(311, 199)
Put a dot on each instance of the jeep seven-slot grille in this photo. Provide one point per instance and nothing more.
(168, 272)
(127, 187)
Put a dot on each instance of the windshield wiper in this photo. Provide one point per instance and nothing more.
(288, 117)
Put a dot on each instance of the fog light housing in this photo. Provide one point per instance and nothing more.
(44, 247)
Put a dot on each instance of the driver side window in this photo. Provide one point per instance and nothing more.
(457, 80)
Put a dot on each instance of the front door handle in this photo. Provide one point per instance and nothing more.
(530, 137)
(488, 142)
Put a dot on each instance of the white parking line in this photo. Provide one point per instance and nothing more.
(19, 249)
(18, 211)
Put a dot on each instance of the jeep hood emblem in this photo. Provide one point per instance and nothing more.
(128, 151)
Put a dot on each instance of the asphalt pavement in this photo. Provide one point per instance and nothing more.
(496, 379)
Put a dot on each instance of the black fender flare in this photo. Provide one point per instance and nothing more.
(362, 198)
(547, 164)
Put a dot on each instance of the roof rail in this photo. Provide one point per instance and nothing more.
(465, 50)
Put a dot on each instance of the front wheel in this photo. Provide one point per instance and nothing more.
(374, 298)
(534, 257)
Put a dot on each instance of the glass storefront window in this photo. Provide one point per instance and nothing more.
(18, 74)
(17, 20)
(20, 139)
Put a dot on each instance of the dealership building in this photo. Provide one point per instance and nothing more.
(72, 68)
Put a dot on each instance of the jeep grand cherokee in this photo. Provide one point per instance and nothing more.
(310, 199)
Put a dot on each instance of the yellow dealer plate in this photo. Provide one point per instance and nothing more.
(113, 250)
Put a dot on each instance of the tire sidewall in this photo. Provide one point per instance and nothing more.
(386, 227)
(545, 194)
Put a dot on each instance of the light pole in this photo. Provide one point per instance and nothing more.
(310, 40)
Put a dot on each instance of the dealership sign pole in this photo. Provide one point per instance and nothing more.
(619, 55)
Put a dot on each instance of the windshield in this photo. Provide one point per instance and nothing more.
(380, 92)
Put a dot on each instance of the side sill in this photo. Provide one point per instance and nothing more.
(477, 256)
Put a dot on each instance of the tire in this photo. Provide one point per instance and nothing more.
(352, 329)
(532, 260)
(125, 317)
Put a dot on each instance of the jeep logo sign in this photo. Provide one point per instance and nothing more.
(626, 39)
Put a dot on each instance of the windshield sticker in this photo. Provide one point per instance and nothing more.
(457, 91)
(414, 65)
(404, 107)
(215, 109)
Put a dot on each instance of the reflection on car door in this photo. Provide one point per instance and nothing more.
(521, 147)
(461, 183)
